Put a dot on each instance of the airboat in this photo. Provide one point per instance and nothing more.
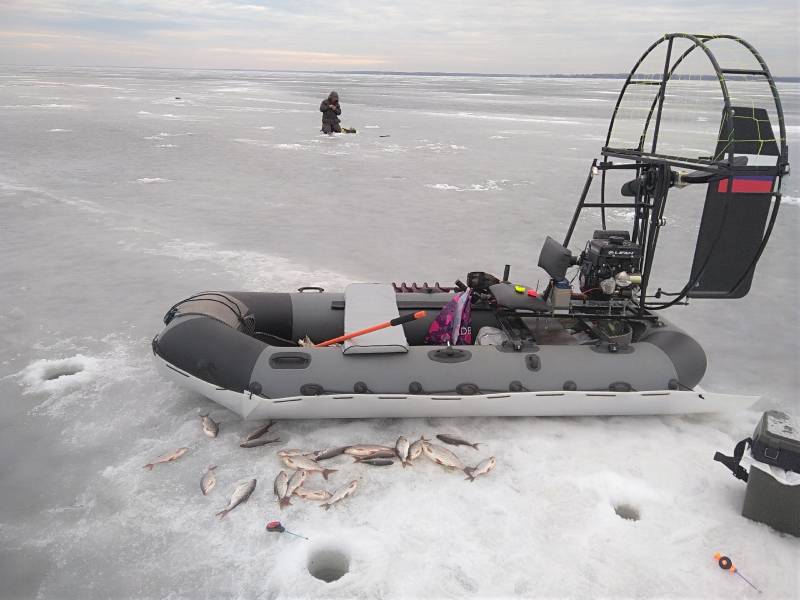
(696, 111)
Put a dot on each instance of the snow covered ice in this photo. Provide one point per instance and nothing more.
(116, 200)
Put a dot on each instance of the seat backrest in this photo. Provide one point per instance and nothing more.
(368, 304)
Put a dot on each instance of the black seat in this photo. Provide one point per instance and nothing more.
(507, 297)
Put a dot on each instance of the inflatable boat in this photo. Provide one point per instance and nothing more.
(592, 342)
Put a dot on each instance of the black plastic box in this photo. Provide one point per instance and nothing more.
(776, 442)
(769, 501)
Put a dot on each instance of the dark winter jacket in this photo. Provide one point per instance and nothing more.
(330, 111)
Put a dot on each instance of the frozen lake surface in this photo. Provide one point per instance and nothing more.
(123, 191)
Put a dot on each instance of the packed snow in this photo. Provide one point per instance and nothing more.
(152, 180)
(95, 251)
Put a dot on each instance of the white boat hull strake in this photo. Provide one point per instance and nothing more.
(509, 404)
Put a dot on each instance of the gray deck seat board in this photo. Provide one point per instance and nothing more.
(368, 304)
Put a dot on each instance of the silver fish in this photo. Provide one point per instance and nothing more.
(376, 454)
(239, 496)
(482, 468)
(327, 453)
(297, 480)
(456, 441)
(316, 495)
(210, 427)
(257, 443)
(340, 494)
(306, 464)
(362, 450)
(415, 449)
(401, 447)
(167, 458)
(280, 486)
(376, 462)
(291, 452)
(208, 481)
(254, 435)
(443, 456)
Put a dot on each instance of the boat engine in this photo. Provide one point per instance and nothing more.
(610, 264)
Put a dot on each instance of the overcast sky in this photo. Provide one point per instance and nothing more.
(538, 36)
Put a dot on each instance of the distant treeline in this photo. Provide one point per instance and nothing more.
(552, 75)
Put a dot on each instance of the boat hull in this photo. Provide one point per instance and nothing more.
(229, 361)
(250, 406)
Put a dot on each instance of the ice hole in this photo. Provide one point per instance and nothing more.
(626, 511)
(328, 564)
(61, 369)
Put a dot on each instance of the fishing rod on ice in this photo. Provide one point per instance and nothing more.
(726, 564)
(277, 527)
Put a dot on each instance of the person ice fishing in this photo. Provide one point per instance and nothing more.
(331, 110)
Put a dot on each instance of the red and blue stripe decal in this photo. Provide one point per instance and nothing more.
(748, 184)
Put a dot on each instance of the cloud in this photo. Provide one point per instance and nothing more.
(446, 35)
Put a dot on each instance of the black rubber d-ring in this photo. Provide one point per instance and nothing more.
(725, 563)
(415, 387)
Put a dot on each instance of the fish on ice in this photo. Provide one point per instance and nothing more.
(340, 494)
(454, 440)
(415, 450)
(296, 481)
(315, 495)
(295, 452)
(254, 435)
(208, 481)
(401, 447)
(257, 443)
(376, 462)
(376, 454)
(362, 450)
(240, 495)
(175, 455)
(280, 486)
(327, 453)
(306, 464)
(442, 456)
(482, 468)
(210, 427)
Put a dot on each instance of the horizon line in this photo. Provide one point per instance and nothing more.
(584, 75)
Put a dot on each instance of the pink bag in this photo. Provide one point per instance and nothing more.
(453, 323)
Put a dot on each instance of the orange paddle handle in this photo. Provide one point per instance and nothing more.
(396, 321)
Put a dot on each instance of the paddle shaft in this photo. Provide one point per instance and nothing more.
(397, 321)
